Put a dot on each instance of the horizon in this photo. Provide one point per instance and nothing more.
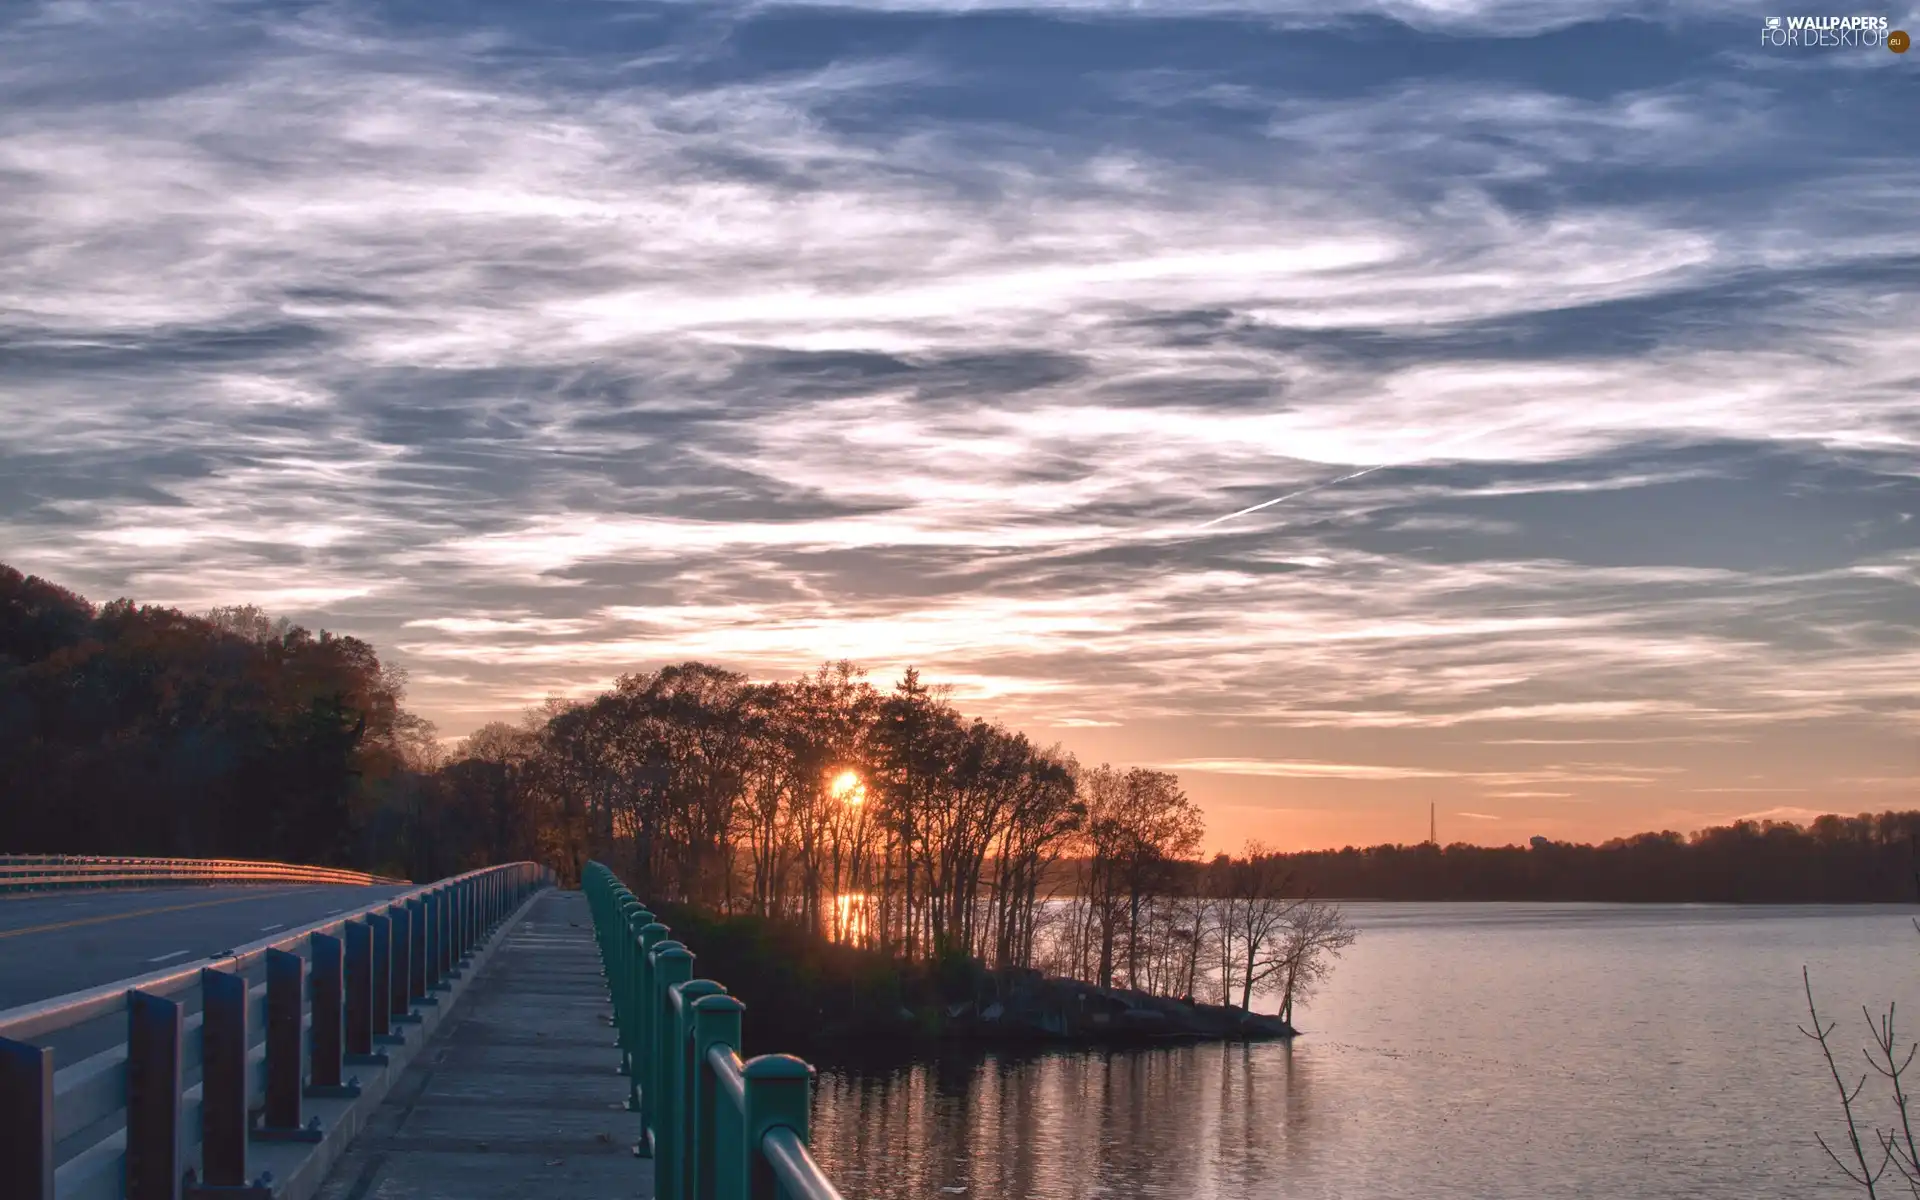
(1451, 404)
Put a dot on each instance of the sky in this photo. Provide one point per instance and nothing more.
(1505, 406)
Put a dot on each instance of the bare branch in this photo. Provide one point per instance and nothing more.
(1865, 1176)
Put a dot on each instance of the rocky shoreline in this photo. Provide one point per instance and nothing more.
(1026, 1007)
(1035, 1007)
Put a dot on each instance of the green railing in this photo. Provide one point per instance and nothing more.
(716, 1127)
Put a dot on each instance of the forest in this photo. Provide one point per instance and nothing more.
(873, 816)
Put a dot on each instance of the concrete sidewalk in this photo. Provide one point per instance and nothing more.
(519, 1095)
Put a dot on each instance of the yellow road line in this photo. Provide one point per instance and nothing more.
(143, 912)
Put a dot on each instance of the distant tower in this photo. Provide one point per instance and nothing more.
(1433, 830)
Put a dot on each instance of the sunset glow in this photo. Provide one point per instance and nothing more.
(848, 789)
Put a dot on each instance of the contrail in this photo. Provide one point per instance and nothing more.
(1254, 508)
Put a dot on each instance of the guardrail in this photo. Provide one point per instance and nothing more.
(168, 1109)
(35, 872)
(717, 1128)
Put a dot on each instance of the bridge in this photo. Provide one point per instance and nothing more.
(187, 1029)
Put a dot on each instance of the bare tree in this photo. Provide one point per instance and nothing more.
(1316, 934)
(1256, 929)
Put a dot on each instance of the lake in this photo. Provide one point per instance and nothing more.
(1461, 1050)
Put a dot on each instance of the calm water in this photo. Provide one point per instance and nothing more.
(1485, 1051)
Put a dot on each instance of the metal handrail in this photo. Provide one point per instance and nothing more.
(279, 1039)
(21, 872)
(716, 1127)
(799, 1177)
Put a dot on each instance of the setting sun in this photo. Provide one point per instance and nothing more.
(846, 786)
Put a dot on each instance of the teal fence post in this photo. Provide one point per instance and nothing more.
(716, 1022)
(651, 935)
(618, 978)
(632, 921)
(672, 964)
(776, 1095)
(680, 1085)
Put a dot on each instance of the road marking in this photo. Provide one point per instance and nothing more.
(141, 912)
(165, 957)
(272, 927)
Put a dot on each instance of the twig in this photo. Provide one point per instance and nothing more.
(1899, 1142)
(1866, 1177)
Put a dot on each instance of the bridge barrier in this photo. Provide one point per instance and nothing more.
(717, 1128)
(35, 872)
(171, 1108)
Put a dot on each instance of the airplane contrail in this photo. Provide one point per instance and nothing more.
(1254, 508)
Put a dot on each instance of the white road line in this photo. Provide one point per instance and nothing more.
(165, 957)
(271, 928)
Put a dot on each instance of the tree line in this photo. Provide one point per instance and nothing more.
(134, 729)
(1872, 857)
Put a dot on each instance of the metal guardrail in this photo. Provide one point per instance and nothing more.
(717, 1128)
(36, 872)
(168, 1111)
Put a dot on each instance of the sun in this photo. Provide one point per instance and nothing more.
(846, 787)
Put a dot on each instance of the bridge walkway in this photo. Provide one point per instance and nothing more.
(519, 1094)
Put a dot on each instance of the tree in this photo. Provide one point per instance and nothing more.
(1139, 824)
(1314, 934)
(1254, 921)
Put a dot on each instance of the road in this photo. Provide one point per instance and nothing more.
(53, 943)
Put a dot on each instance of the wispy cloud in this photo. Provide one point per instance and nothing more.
(545, 350)
(1300, 770)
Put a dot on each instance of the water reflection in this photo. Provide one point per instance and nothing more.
(1478, 1052)
(1200, 1121)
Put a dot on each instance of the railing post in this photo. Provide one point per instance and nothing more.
(403, 955)
(153, 1097)
(26, 1118)
(420, 952)
(445, 899)
(430, 915)
(716, 1022)
(680, 1082)
(629, 975)
(328, 1020)
(465, 909)
(457, 911)
(286, 980)
(776, 1090)
(619, 976)
(223, 1078)
(640, 988)
(672, 964)
(453, 918)
(360, 993)
(381, 998)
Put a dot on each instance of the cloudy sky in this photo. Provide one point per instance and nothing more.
(1572, 349)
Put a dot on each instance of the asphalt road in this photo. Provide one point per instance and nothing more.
(53, 943)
